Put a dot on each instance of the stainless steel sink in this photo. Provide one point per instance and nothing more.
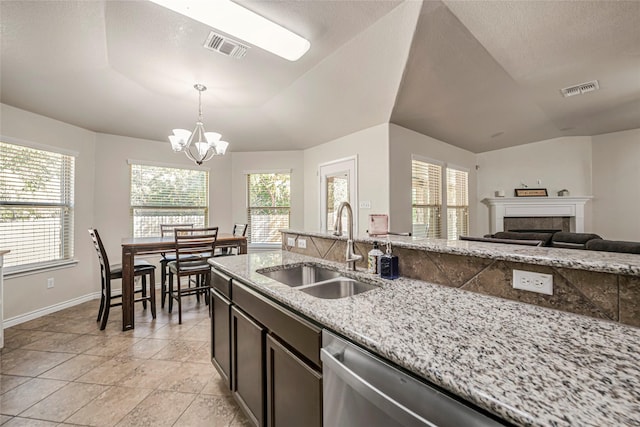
(337, 288)
(301, 275)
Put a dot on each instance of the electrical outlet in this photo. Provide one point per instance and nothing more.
(291, 241)
(365, 204)
(534, 282)
(50, 282)
(302, 243)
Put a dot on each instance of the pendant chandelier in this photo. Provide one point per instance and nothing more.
(198, 145)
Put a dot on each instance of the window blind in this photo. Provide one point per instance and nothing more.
(36, 206)
(165, 195)
(457, 203)
(268, 206)
(426, 199)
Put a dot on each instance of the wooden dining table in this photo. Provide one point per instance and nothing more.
(133, 246)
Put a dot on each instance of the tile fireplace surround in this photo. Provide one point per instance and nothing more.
(508, 207)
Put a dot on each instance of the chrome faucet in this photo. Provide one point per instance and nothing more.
(351, 254)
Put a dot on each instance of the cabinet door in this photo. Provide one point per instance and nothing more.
(294, 389)
(247, 374)
(221, 335)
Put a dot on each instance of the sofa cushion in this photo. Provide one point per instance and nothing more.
(490, 239)
(613, 246)
(544, 237)
(563, 239)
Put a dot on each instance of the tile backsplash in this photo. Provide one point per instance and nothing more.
(602, 295)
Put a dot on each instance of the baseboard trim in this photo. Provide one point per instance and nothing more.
(7, 323)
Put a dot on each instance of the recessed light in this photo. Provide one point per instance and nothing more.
(235, 20)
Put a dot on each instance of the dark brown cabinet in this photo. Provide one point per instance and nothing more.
(247, 364)
(294, 389)
(269, 356)
(221, 335)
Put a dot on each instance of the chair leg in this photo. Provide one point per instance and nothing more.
(105, 315)
(152, 292)
(144, 291)
(102, 302)
(171, 292)
(179, 302)
(163, 282)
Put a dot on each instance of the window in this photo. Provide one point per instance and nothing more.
(269, 206)
(428, 198)
(457, 203)
(166, 195)
(36, 206)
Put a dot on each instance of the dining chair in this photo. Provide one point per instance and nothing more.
(193, 247)
(109, 272)
(238, 230)
(166, 230)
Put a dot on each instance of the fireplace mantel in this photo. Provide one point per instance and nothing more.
(501, 207)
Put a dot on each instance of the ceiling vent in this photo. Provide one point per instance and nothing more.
(225, 46)
(580, 89)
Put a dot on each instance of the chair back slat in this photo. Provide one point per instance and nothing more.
(240, 229)
(194, 243)
(167, 229)
(102, 254)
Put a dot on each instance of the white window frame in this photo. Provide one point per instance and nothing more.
(68, 238)
(446, 200)
(247, 173)
(443, 182)
(205, 208)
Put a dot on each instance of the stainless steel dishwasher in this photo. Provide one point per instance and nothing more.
(362, 390)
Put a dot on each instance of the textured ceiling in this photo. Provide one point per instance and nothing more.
(459, 71)
(484, 75)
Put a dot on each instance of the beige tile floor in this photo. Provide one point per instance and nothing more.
(60, 369)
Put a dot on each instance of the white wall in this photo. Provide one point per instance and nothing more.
(561, 163)
(29, 293)
(112, 185)
(402, 144)
(616, 179)
(267, 161)
(371, 146)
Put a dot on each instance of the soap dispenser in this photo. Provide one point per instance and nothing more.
(389, 264)
(374, 258)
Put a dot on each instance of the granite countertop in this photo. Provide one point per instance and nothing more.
(529, 365)
(604, 262)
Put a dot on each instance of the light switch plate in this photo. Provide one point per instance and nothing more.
(365, 204)
(291, 241)
(302, 243)
(533, 282)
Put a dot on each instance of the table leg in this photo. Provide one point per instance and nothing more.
(242, 248)
(127, 288)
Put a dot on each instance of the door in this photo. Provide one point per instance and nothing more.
(221, 335)
(338, 183)
(247, 363)
(294, 389)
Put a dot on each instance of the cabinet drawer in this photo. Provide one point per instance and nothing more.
(221, 282)
(303, 336)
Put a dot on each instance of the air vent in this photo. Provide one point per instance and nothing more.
(225, 45)
(580, 89)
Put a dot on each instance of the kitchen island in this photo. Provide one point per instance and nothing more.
(603, 285)
(527, 365)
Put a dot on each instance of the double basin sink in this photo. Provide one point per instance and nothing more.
(318, 281)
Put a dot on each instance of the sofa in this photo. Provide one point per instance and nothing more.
(559, 239)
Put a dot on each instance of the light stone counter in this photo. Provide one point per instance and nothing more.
(526, 364)
(604, 262)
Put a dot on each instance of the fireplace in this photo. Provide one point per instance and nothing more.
(543, 224)
(548, 213)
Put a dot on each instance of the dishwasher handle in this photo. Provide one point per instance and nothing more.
(394, 409)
